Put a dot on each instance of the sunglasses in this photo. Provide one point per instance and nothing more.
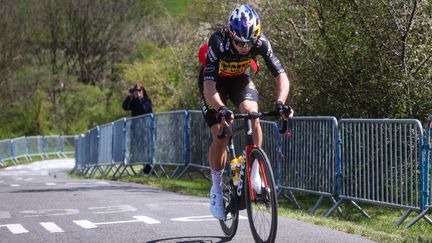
(138, 90)
(243, 43)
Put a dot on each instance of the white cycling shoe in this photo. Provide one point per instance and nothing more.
(256, 177)
(216, 205)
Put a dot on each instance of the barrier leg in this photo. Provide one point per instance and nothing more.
(133, 170)
(152, 170)
(418, 218)
(111, 169)
(290, 196)
(188, 167)
(202, 173)
(360, 209)
(72, 171)
(87, 170)
(101, 170)
(175, 171)
(336, 206)
(427, 219)
(404, 216)
(125, 169)
(93, 171)
(164, 171)
(107, 170)
(117, 170)
(317, 204)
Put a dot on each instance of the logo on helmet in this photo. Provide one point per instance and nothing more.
(244, 23)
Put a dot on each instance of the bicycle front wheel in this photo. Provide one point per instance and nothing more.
(230, 223)
(261, 200)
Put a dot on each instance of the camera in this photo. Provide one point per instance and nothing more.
(131, 90)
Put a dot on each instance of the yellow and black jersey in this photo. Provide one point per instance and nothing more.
(223, 60)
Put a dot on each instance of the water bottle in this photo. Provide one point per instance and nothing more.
(235, 169)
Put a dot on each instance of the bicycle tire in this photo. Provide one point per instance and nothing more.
(262, 212)
(230, 224)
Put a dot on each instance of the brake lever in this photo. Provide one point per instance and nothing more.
(286, 127)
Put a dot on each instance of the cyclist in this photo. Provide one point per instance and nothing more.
(226, 75)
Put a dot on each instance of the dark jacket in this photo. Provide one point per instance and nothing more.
(138, 106)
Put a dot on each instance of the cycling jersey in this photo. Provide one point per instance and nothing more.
(223, 60)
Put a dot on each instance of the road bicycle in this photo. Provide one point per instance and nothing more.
(261, 201)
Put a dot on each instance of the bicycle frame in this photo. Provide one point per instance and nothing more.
(250, 145)
(256, 201)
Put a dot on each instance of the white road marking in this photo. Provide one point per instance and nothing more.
(195, 218)
(87, 183)
(50, 183)
(15, 228)
(49, 212)
(147, 220)
(4, 215)
(85, 224)
(113, 209)
(200, 218)
(51, 227)
(15, 185)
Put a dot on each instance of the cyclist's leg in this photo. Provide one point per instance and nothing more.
(217, 157)
(248, 102)
(249, 106)
(245, 96)
(217, 151)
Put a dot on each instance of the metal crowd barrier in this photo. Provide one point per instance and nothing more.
(171, 140)
(139, 140)
(308, 158)
(27, 147)
(373, 161)
(19, 149)
(381, 163)
(105, 144)
(6, 151)
(80, 154)
(118, 142)
(426, 186)
(67, 144)
(35, 146)
(200, 139)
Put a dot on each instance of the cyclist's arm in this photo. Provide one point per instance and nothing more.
(276, 68)
(283, 87)
(211, 71)
(211, 94)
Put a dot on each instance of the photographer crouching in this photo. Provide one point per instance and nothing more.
(138, 101)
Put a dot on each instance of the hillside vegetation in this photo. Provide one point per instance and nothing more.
(65, 65)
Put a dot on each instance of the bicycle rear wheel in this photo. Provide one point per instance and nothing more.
(230, 224)
(261, 206)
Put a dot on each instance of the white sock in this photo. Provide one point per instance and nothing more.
(217, 180)
(255, 171)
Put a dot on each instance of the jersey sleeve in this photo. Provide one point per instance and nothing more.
(265, 50)
(214, 53)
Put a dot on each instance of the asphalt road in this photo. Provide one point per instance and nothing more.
(39, 203)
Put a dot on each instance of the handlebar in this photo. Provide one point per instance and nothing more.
(286, 123)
